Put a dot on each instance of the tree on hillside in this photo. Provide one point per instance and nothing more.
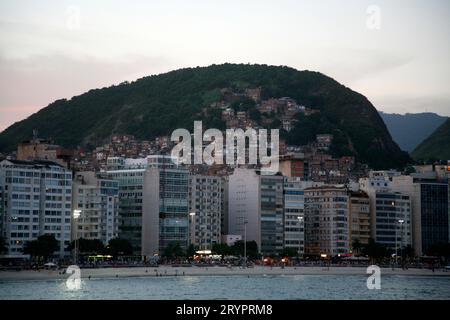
(243, 104)
(254, 114)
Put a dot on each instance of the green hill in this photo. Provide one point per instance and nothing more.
(436, 146)
(158, 104)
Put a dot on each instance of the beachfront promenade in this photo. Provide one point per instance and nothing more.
(170, 271)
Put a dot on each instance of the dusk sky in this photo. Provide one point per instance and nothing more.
(395, 52)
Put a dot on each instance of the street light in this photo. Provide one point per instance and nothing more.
(205, 232)
(76, 213)
(191, 228)
(300, 220)
(76, 216)
(245, 243)
(401, 221)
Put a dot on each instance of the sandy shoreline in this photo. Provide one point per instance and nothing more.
(209, 271)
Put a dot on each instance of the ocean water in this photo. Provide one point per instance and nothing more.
(316, 287)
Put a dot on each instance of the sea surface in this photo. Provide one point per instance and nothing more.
(315, 287)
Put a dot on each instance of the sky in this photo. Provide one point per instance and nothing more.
(395, 52)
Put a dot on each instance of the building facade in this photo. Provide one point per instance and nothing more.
(206, 199)
(272, 214)
(2, 210)
(359, 218)
(224, 215)
(244, 205)
(96, 201)
(41, 149)
(428, 192)
(165, 206)
(392, 199)
(326, 221)
(391, 223)
(294, 214)
(129, 173)
(434, 212)
(230, 239)
(293, 166)
(37, 200)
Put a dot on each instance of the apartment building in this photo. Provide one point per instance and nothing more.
(359, 218)
(36, 200)
(95, 199)
(326, 221)
(165, 206)
(271, 214)
(206, 200)
(244, 205)
(294, 212)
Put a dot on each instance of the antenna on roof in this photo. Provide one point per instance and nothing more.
(35, 134)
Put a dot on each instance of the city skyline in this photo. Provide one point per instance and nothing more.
(232, 158)
(72, 47)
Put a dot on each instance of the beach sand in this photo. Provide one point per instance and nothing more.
(210, 271)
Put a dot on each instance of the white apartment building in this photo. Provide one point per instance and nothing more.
(244, 205)
(205, 197)
(36, 200)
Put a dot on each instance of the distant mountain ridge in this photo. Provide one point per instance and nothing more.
(156, 105)
(436, 146)
(410, 129)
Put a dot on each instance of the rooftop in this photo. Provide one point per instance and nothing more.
(45, 163)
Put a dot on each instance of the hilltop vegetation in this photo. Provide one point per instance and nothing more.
(158, 104)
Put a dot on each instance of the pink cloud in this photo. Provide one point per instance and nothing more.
(26, 85)
(9, 115)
